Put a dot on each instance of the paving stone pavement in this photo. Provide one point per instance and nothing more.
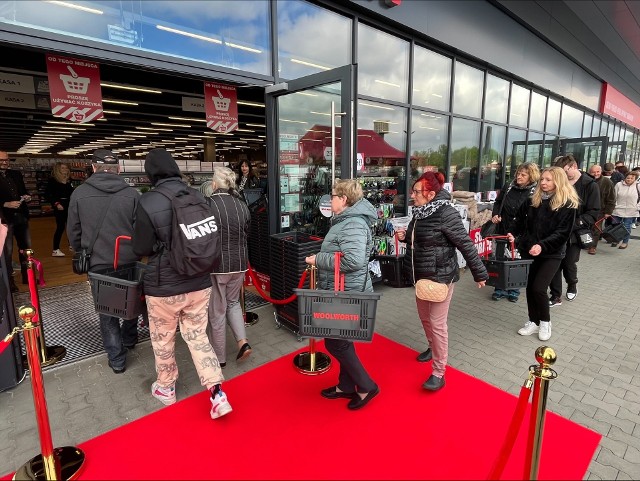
(596, 338)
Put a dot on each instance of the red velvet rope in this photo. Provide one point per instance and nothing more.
(40, 269)
(33, 291)
(512, 434)
(289, 299)
(4, 344)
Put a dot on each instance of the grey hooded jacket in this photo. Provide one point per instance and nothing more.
(351, 235)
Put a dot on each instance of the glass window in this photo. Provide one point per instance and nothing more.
(431, 79)
(497, 99)
(465, 137)
(519, 106)
(428, 143)
(613, 136)
(595, 129)
(571, 125)
(311, 39)
(586, 127)
(553, 116)
(381, 141)
(604, 126)
(467, 90)
(547, 154)
(538, 109)
(515, 152)
(226, 33)
(492, 158)
(534, 148)
(383, 64)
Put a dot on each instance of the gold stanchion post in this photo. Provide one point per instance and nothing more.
(48, 354)
(542, 373)
(250, 318)
(53, 463)
(312, 362)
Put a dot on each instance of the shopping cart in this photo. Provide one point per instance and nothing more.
(117, 291)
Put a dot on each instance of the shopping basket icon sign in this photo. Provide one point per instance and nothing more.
(74, 84)
(221, 103)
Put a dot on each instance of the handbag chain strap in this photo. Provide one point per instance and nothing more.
(95, 235)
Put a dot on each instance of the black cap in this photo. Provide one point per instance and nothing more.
(104, 156)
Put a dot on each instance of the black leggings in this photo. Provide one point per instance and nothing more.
(540, 274)
(61, 222)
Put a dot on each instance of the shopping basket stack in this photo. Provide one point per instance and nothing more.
(505, 271)
(117, 290)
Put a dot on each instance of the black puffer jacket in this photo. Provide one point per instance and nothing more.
(154, 220)
(434, 247)
(508, 203)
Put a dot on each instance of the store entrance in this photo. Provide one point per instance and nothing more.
(587, 151)
(311, 144)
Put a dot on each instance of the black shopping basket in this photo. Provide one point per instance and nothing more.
(117, 290)
(505, 273)
(337, 314)
(613, 233)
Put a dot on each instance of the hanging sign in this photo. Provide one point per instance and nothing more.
(74, 89)
(16, 83)
(221, 107)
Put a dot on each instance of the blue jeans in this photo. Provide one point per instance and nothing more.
(626, 221)
(507, 292)
(114, 338)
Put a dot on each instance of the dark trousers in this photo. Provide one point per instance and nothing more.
(116, 337)
(568, 268)
(20, 230)
(352, 372)
(540, 274)
(61, 222)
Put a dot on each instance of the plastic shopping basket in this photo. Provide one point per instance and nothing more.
(505, 273)
(117, 290)
(337, 314)
(613, 233)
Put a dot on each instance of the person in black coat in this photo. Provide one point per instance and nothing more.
(58, 193)
(432, 237)
(586, 217)
(247, 179)
(507, 204)
(541, 230)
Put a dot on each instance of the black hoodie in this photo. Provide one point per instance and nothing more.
(154, 221)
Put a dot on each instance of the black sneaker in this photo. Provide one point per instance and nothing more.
(572, 294)
(555, 301)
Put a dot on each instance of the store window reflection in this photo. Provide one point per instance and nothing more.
(467, 90)
(538, 110)
(548, 151)
(586, 126)
(534, 148)
(492, 158)
(519, 106)
(497, 99)
(553, 116)
(604, 127)
(595, 128)
(380, 145)
(311, 39)
(383, 64)
(465, 139)
(515, 151)
(571, 125)
(225, 32)
(431, 79)
(428, 143)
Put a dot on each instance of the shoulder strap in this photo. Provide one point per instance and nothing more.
(97, 231)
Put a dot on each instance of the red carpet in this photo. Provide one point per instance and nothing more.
(281, 428)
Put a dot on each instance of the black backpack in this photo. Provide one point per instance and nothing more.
(194, 247)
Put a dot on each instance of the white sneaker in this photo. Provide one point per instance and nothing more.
(528, 329)
(58, 253)
(166, 395)
(219, 405)
(634, 226)
(544, 334)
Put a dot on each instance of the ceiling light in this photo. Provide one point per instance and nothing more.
(65, 123)
(248, 49)
(189, 34)
(110, 112)
(244, 130)
(255, 125)
(122, 102)
(126, 87)
(77, 7)
(387, 83)
(309, 64)
(170, 125)
(319, 113)
(188, 119)
(251, 104)
(437, 95)
(375, 106)
(154, 130)
(306, 93)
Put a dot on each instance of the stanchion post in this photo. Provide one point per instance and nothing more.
(312, 362)
(543, 374)
(51, 464)
(250, 318)
(48, 355)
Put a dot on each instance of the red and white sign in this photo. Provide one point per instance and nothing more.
(221, 107)
(74, 89)
(617, 105)
(482, 245)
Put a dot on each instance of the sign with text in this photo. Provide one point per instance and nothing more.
(221, 107)
(10, 82)
(74, 89)
(192, 104)
(617, 105)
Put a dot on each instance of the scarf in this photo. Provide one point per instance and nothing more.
(424, 211)
(547, 195)
(243, 181)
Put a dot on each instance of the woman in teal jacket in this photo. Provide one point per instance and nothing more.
(350, 234)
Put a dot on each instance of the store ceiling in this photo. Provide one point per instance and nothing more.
(187, 137)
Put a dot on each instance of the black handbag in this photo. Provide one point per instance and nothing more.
(488, 229)
(82, 258)
(585, 238)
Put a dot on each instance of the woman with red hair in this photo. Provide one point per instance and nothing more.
(432, 237)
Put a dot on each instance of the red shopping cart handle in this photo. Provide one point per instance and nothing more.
(115, 257)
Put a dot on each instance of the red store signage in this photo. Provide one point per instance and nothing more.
(617, 105)
(74, 89)
(221, 107)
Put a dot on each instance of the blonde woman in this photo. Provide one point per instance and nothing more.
(542, 228)
(58, 194)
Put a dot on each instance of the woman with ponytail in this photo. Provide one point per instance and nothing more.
(432, 237)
